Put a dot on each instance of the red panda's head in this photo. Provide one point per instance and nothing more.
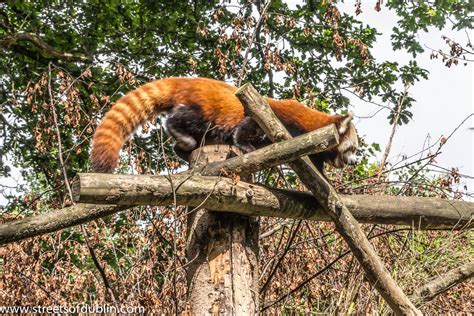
(345, 152)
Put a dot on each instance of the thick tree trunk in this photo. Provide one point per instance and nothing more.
(222, 250)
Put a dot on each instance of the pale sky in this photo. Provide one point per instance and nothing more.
(443, 101)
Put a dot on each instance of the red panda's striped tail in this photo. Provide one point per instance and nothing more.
(129, 112)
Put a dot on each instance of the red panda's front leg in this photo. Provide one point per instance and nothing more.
(248, 136)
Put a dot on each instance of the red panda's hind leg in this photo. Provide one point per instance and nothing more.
(183, 154)
(191, 129)
(178, 122)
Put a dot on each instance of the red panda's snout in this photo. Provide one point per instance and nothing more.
(350, 158)
(341, 159)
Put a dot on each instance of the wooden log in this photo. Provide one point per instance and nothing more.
(346, 224)
(222, 250)
(217, 193)
(241, 197)
(276, 154)
(53, 221)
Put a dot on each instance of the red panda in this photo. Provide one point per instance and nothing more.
(202, 110)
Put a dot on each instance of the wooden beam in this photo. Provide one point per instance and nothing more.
(275, 154)
(217, 193)
(346, 225)
(120, 192)
(53, 221)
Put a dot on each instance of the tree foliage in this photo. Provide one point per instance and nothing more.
(312, 52)
(73, 59)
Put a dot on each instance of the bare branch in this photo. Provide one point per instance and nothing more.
(443, 140)
(58, 133)
(443, 283)
(401, 100)
(41, 44)
(69, 191)
(251, 40)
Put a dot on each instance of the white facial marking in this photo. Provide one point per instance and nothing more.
(346, 150)
(345, 145)
(350, 158)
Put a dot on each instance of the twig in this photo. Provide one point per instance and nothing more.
(99, 266)
(278, 227)
(280, 259)
(68, 187)
(56, 301)
(252, 39)
(392, 133)
(269, 72)
(294, 247)
(58, 133)
(175, 206)
(443, 141)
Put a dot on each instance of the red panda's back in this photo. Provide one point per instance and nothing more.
(216, 99)
(304, 117)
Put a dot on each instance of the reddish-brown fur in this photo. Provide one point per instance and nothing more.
(216, 100)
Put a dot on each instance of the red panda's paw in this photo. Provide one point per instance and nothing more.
(183, 154)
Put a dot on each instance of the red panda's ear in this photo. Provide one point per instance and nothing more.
(346, 120)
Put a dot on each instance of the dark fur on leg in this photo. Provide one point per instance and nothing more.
(248, 136)
(318, 162)
(183, 154)
(178, 127)
(187, 125)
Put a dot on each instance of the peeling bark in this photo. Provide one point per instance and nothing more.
(222, 249)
